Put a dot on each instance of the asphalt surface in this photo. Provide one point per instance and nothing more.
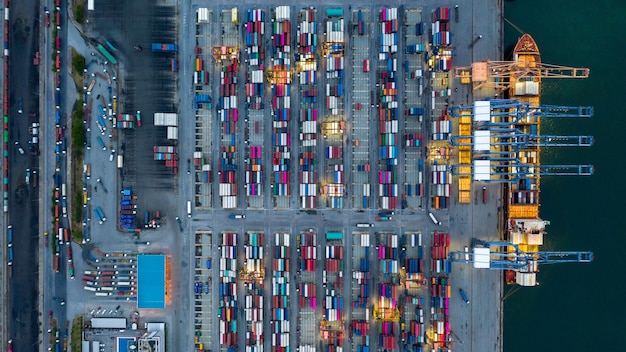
(144, 82)
(23, 198)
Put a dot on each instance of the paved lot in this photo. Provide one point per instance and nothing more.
(146, 84)
(22, 304)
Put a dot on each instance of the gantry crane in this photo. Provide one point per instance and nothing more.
(517, 171)
(507, 256)
(513, 111)
(497, 74)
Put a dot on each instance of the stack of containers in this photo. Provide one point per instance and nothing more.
(414, 333)
(441, 178)
(414, 265)
(387, 339)
(441, 39)
(332, 278)
(128, 212)
(361, 279)
(439, 253)
(439, 312)
(253, 311)
(123, 120)
(200, 76)
(167, 153)
(228, 290)
(361, 274)
(308, 283)
(360, 23)
(388, 109)
(169, 120)
(202, 99)
(413, 307)
(254, 171)
(335, 65)
(255, 29)
(413, 139)
(307, 62)
(199, 161)
(308, 172)
(388, 255)
(387, 303)
(280, 294)
(333, 304)
(360, 330)
(229, 114)
(281, 101)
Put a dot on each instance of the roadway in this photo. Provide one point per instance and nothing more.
(23, 200)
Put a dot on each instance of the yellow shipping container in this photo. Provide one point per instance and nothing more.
(465, 183)
(524, 211)
(465, 197)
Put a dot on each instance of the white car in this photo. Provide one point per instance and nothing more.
(19, 148)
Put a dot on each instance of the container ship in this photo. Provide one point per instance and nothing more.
(524, 227)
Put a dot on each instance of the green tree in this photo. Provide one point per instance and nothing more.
(78, 63)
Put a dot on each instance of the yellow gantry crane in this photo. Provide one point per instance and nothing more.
(497, 74)
(386, 314)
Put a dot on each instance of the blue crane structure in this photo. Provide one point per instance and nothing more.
(506, 131)
(518, 260)
(518, 111)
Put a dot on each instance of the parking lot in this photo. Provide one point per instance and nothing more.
(361, 101)
(203, 296)
(205, 116)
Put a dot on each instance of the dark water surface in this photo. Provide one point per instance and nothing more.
(578, 307)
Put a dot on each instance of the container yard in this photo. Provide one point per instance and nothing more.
(280, 77)
(227, 292)
(253, 276)
(228, 111)
(361, 97)
(387, 103)
(362, 282)
(332, 322)
(414, 109)
(203, 76)
(280, 322)
(333, 123)
(111, 274)
(203, 301)
(308, 290)
(379, 167)
(307, 62)
(255, 106)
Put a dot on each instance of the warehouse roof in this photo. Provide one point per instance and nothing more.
(108, 323)
(151, 281)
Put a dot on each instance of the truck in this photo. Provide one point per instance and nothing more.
(10, 234)
(180, 224)
(383, 218)
(101, 143)
(364, 224)
(188, 208)
(464, 296)
(19, 105)
(91, 85)
(237, 216)
(101, 121)
(484, 195)
(99, 215)
(434, 219)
